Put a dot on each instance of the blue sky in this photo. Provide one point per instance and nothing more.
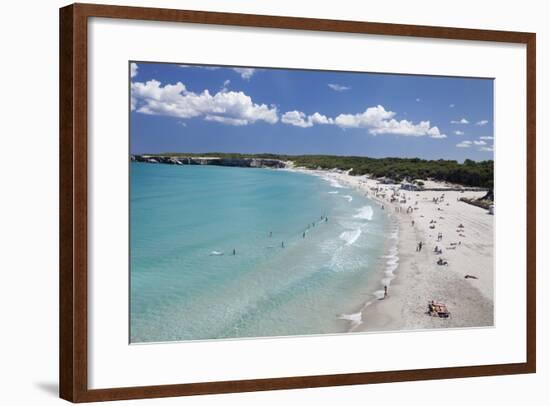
(185, 108)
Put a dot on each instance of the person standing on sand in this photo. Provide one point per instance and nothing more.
(282, 244)
(234, 252)
(420, 246)
(385, 291)
(304, 234)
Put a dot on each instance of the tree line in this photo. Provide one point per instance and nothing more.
(468, 173)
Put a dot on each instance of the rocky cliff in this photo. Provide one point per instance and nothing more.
(193, 160)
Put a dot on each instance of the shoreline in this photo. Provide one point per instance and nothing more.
(417, 278)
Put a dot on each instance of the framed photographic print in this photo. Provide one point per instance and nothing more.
(256, 202)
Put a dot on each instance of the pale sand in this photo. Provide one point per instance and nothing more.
(418, 279)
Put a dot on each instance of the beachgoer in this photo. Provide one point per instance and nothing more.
(234, 252)
(304, 234)
(420, 246)
(326, 219)
(385, 291)
(282, 244)
(412, 223)
(270, 234)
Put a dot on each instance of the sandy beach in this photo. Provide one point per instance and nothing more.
(466, 243)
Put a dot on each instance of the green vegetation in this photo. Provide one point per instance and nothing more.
(469, 173)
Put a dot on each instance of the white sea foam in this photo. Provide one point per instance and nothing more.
(216, 253)
(333, 182)
(364, 213)
(379, 294)
(354, 318)
(334, 192)
(351, 236)
(392, 252)
(392, 262)
(348, 197)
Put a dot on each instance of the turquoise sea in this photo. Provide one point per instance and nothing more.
(308, 253)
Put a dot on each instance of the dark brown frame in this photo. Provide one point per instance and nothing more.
(73, 200)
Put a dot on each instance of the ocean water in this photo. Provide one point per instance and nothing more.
(309, 253)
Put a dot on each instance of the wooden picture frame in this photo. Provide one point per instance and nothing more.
(73, 209)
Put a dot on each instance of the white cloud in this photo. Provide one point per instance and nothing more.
(317, 118)
(405, 127)
(133, 73)
(482, 122)
(458, 132)
(226, 84)
(376, 119)
(246, 73)
(338, 88)
(461, 121)
(451, 105)
(299, 119)
(133, 69)
(380, 121)
(464, 144)
(486, 138)
(238, 109)
(417, 99)
(227, 120)
(373, 117)
(229, 107)
(483, 146)
(296, 118)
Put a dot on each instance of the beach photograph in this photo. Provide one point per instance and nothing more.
(273, 202)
